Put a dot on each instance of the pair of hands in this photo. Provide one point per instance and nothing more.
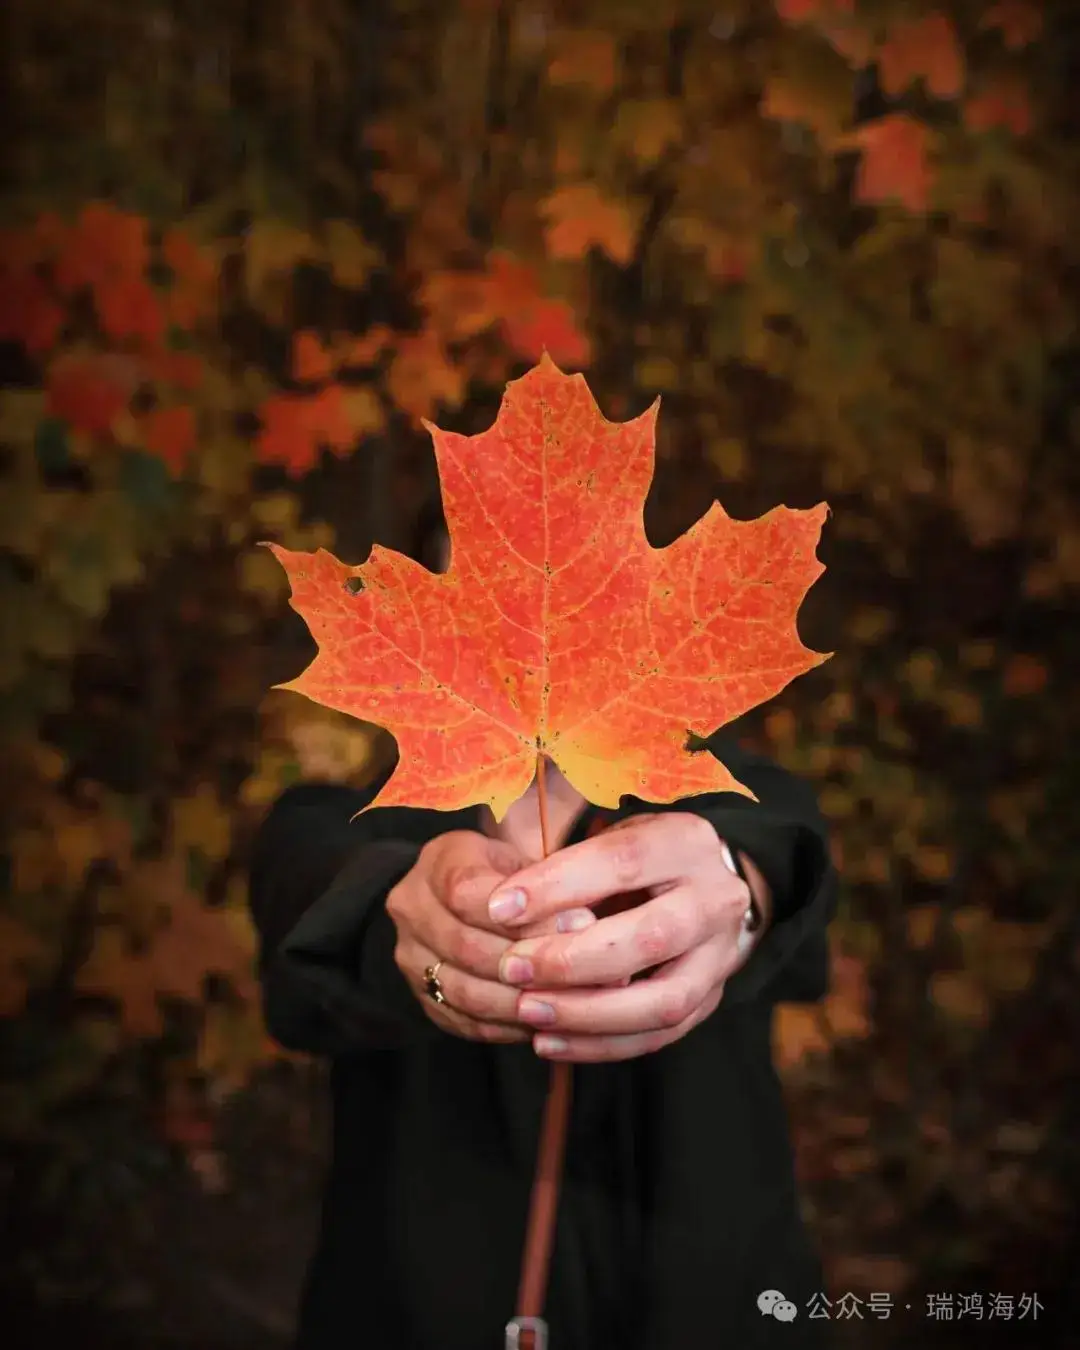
(525, 956)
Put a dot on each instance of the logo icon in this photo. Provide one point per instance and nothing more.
(772, 1303)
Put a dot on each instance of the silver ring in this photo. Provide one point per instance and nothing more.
(432, 985)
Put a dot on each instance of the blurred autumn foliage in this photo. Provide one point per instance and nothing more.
(249, 248)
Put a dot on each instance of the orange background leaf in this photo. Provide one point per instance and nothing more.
(87, 393)
(927, 49)
(895, 164)
(311, 361)
(169, 433)
(580, 218)
(1003, 102)
(1019, 21)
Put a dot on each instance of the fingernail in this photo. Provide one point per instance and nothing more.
(549, 1045)
(537, 1013)
(574, 920)
(515, 970)
(507, 906)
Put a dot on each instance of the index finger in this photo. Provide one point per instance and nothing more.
(650, 851)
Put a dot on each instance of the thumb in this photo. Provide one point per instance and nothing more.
(469, 868)
(504, 857)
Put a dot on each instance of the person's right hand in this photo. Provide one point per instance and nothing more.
(440, 911)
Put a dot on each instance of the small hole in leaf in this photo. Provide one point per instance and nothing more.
(354, 585)
(694, 744)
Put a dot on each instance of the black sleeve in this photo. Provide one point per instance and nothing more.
(317, 885)
(786, 836)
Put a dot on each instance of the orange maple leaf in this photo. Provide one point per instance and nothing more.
(187, 306)
(579, 218)
(421, 375)
(330, 421)
(311, 361)
(547, 326)
(457, 304)
(28, 313)
(295, 425)
(88, 392)
(895, 162)
(169, 433)
(1019, 21)
(185, 370)
(366, 349)
(837, 23)
(187, 261)
(287, 436)
(807, 11)
(1024, 675)
(461, 304)
(24, 247)
(584, 58)
(531, 322)
(557, 628)
(128, 308)
(926, 49)
(193, 943)
(1002, 103)
(104, 244)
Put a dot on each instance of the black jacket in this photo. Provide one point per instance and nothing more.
(678, 1205)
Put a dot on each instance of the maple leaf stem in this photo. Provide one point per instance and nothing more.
(543, 1205)
(542, 801)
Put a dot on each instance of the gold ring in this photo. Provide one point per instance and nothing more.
(432, 987)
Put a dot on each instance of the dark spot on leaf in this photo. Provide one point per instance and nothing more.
(354, 585)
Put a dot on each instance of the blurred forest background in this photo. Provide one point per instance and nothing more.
(246, 248)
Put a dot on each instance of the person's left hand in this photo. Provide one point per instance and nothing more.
(579, 988)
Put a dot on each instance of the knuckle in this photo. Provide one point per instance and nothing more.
(465, 949)
(624, 854)
(700, 834)
(675, 1006)
(483, 1003)
(493, 1032)
(472, 951)
(560, 961)
(460, 890)
(464, 1025)
(653, 937)
(666, 930)
(395, 902)
(736, 899)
